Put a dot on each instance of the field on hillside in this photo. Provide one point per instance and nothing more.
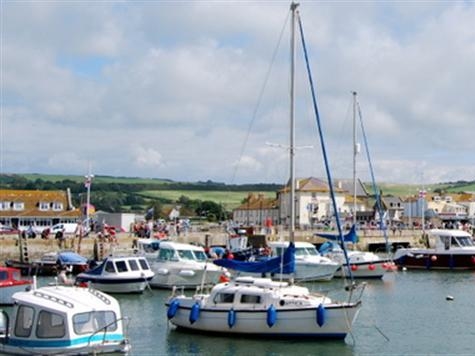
(229, 200)
(97, 179)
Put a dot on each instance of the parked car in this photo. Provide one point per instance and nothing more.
(8, 230)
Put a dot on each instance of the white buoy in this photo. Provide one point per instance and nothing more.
(449, 297)
(404, 269)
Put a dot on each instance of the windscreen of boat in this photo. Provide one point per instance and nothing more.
(305, 251)
(166, 254)
(186, 255)
(200, 256)
(87, 323)
(462, 241)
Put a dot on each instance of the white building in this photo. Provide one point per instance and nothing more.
(312, 202)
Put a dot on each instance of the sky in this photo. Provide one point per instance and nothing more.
(199, 90)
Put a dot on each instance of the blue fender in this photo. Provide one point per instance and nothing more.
(271, 316)
(194, 313)
(231, 318)
(321, 315)
(172, 309)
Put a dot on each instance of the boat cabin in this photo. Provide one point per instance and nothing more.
(173, 251)
(59, 319)
(441, 240)
(148, 248)
(302, 249)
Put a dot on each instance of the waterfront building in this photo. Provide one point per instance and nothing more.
(24, 209)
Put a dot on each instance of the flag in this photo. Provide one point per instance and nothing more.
(149, 214)
(88, 181)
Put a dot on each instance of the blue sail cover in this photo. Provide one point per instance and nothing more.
(280, 264)
(351, 236)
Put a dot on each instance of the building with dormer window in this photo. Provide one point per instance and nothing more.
(38, 209)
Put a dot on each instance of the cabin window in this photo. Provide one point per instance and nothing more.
(447, 242)
(121, 266)
(200, 256)
(86, 323)
(250, 299)
(464, 241)
(224, 298)
(50, 325)
(109, 267)
(133, 265)
(24, 321)
(186, 255)
(167, 255)
(3, 275)
(144, 264)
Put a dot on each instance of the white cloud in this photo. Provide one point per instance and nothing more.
(173, 90)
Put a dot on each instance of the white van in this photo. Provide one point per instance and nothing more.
(67, 228)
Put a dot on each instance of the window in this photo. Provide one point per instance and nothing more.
(121, 266)
(57, 206)
(4, 205)
(186, 255)
(200, 256)
(224, 298)
(18, 206)
(24, 321)
(43, 206)
(250, 299)
(167, 255)
(133, 265)
(144, 264)
(109, 267)
(87, 323)
(50, 325)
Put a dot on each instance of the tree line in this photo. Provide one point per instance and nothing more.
(128, 197)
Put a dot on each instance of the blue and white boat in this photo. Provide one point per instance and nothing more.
(63, 320)
(128, 274)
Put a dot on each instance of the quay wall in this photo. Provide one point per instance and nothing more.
(10, 249)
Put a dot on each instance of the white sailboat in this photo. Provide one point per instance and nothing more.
(250, 306)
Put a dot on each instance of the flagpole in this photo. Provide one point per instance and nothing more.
(88, 197)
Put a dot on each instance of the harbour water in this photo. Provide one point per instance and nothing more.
(406, 313)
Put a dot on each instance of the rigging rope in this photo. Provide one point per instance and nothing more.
(322, 144)
(259, 99)
(377, 195)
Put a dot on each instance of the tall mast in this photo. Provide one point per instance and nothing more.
(293, 8)
(355, 152)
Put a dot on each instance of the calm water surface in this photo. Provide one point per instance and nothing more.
(406, 313)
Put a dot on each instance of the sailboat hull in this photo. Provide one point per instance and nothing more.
(290, 323)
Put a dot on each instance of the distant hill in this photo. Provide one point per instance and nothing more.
(156, 187)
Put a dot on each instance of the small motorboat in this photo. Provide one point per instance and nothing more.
(55, 320)
(310, 265)
(361, 264)
(127, 274)
(183, 265)
(10, 283)
(263, 307)
(444, 249)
